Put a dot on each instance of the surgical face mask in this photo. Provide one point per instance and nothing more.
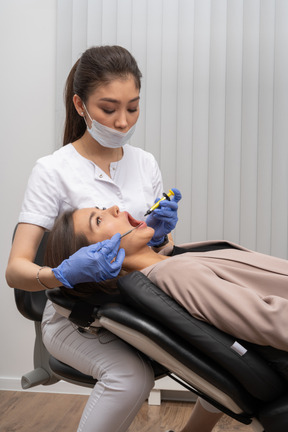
(106, 136)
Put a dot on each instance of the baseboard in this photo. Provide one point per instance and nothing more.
(178, 396)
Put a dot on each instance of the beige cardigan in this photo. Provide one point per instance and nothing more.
(241, 292)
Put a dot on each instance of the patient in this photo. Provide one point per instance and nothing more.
(241, 292)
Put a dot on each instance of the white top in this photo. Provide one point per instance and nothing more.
(66, 180)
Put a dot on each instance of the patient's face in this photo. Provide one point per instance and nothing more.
(99, 225)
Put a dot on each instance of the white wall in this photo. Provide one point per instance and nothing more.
(27, 117)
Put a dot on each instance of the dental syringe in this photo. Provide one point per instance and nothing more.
(165, 196)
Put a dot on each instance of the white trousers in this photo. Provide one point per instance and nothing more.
(124, 378)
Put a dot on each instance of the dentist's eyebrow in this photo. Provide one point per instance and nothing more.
(117, 101)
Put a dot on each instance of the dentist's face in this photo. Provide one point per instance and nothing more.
(115, 105)
(98, 225)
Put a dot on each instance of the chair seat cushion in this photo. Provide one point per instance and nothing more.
(70, 374)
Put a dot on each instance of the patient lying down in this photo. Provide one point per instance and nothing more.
(241, 292)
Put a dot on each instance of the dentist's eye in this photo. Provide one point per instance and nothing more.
(98, 220)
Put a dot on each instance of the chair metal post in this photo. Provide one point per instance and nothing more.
(42, 373)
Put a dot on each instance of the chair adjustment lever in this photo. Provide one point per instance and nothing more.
(82, 314)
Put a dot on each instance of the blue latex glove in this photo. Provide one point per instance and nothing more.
(92, 263)
(164, 218)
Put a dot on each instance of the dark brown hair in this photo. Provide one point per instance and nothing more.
(61, 244)
(97, 66)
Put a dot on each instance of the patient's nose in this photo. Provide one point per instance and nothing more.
(114, 210)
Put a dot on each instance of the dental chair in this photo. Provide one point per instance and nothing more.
(245, 381)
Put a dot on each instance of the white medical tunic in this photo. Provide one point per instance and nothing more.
(65, 180)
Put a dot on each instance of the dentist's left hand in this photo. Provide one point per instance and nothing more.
(92, 263)
(164, 218)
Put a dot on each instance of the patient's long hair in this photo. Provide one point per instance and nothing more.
(61, 244)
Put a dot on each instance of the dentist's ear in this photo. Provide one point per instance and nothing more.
(78, 104)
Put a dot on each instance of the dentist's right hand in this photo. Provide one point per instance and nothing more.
(92, 263)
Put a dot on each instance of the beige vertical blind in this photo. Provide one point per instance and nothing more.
(214, 105)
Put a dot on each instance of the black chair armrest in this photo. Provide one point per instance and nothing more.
(30, 304)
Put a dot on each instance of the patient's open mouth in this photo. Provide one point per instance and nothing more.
(133, 222)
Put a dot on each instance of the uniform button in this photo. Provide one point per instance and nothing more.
(101, 175)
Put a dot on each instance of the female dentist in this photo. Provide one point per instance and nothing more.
(95, 166)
